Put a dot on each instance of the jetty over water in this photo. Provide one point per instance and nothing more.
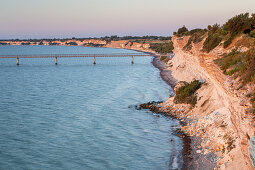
(94, 56)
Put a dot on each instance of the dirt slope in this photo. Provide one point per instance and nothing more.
(219, 117)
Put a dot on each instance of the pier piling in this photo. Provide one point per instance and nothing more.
(17, 61)
(56, 56)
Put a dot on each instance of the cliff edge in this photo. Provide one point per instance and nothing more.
(219, 118)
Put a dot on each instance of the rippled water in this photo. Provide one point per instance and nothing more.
(77, 115)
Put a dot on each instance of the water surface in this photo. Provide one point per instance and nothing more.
(77, 115)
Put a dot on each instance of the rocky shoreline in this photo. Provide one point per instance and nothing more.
(192, 159)
(218, 125)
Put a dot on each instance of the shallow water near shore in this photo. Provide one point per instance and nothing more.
(77, 115)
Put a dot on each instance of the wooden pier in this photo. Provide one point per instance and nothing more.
(56, 56)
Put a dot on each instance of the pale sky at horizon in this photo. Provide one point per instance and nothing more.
(96, 18)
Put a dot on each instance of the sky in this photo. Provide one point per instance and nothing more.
(96, 18)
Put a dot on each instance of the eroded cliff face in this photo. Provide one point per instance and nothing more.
(126, 44)
(219, 117)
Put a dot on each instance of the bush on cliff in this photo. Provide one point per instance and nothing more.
(165, 59)
(181, 31)
(71, 43)
(242, 23)
(240, 64)
(212, 41)
(196, 36)
(187, 93)
(252, 33)
(239, 23)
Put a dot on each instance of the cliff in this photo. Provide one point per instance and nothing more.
(126, 44)
(219, 118)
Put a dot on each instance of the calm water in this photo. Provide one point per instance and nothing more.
(77, 115)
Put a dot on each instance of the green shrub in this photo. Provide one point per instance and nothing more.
(228, 41)
(196, 36)
(182, 30)
(242, 63)
(188, 46)
(25, 43)
(239, 23)
(71, 43)
(165, 59)
(214, 28)
(186, 94)
(212, 41)
(252, 33)
(228, 60)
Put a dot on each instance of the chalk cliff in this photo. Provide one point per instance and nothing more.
(219, 118)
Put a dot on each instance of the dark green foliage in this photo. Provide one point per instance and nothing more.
(165, 59)
(93, 45)
(239, 23)
(228, 61)
(25, 43)
(186, 94)
(188, 46)
(228, 41)
(196, 36)
(195, 31)
(71, 43)
(240, 63)
(214, 28)
(53, 43)
(162, 48)
(214, 37)
(182, 30)
(212, 41)
(242, 23)
(115, 38)
(253, 21)
(252, 33)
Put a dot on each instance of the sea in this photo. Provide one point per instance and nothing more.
(77, 115)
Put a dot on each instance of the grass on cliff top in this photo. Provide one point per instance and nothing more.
(187, 93)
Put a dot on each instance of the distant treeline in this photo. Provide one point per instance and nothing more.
(106, 38)
(116, 38)
(162, 48)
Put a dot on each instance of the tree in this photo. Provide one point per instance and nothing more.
(253, 21)
(239, 23)
(182, 30)
(214, 28)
